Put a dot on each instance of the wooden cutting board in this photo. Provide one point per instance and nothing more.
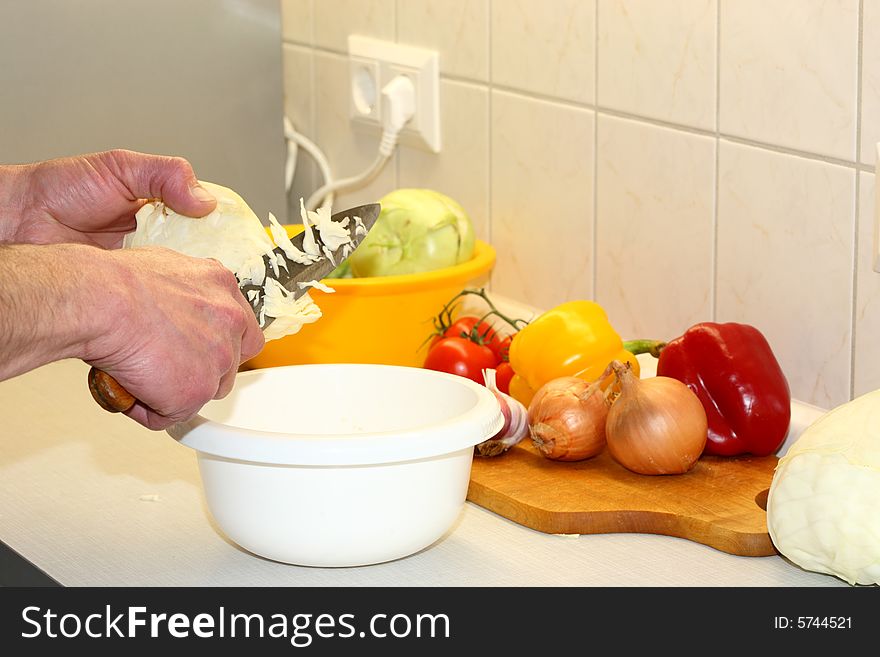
(719, 503)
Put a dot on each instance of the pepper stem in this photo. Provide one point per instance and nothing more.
(636, 347)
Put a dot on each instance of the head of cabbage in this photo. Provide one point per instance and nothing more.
(418, 230)
(822, 508)
(234, 235)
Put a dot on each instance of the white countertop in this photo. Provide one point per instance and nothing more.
(93, 499)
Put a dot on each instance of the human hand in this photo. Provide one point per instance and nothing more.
(176, 330)
(92, 199)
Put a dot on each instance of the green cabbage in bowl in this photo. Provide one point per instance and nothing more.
(418, 230)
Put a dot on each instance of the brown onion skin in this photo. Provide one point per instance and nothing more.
(656, 426)
(565, 427)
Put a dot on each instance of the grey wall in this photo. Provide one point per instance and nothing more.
(195, 78)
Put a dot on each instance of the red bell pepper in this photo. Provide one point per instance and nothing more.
(733, 371)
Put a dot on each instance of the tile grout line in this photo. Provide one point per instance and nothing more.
(397, 150)
(490, 136)
(313, 120)
(717, 134)
(313, 86)
(713, 134)
(785, 150)
(713, 288)
(856, 207)
(595, 245)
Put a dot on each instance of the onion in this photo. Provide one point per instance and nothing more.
(656, 425)
(516, 422)
(567, 419)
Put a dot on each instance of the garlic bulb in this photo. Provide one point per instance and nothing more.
(516, 421)
(822, 510)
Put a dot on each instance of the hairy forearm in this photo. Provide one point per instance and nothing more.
(13, 191)
(48, 310)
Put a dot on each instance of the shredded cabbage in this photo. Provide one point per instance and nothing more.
(233, 234)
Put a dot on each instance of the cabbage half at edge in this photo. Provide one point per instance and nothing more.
(823, 511)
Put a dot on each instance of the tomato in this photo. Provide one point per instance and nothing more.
(503, 349)
(460, 356)
(503, 375)
(481, 332)
(463, 327)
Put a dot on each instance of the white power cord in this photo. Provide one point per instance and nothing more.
(292, 154)
(294, 141)
(398, 99)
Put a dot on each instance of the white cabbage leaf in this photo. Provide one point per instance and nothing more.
(234, 235)
(823, 510)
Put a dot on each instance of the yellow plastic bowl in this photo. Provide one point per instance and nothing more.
(381, 319)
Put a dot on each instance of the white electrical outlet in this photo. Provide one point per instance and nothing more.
(373, 64)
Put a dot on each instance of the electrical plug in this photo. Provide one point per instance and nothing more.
(398, 107)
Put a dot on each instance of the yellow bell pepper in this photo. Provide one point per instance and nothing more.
(573, 339)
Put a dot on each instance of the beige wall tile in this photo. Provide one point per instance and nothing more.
(461, 169)
(349, 149)
(336, 19)
(655, 233)
(296, 20)
(297, 71)
(867, 330)
(870, 81)
(457, 29)
(657, 59)
(545, 46)
(789, 73)
(785, 263)
(542, 200)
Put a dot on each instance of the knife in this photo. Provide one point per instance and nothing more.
(292, 275)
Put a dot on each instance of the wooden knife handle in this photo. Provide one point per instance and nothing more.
(109, 393)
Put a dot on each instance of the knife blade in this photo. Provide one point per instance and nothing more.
(318, 260)
(293, 275)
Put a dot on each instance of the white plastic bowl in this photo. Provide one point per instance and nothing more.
(339, 464)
